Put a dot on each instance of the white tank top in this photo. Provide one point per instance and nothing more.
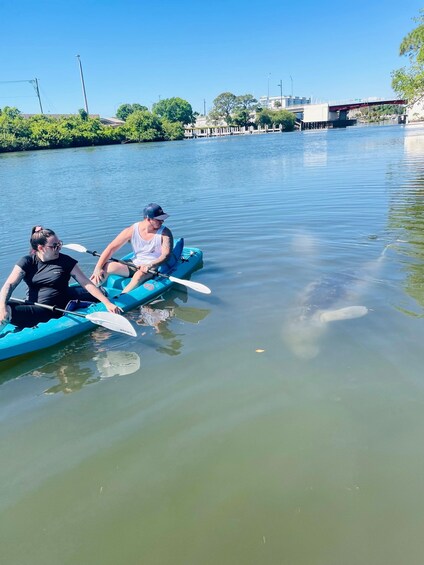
(146, 251)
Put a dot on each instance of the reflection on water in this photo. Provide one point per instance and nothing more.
(117, 363)
(407, 214)
(83, 361)
(158, 314)
(74, 376)
(91, 358)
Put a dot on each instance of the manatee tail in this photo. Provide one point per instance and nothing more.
(347, 313)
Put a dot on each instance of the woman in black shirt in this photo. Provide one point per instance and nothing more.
(46, 272)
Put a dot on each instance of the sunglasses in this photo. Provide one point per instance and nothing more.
(55, 246)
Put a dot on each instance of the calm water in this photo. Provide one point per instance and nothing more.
(240, 428)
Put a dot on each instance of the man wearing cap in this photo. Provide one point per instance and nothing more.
(152, 243)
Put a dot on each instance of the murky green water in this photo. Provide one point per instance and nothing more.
(241, 428)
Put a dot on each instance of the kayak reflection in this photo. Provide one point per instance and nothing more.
(117, 363)
(74, 376)
(158, 314)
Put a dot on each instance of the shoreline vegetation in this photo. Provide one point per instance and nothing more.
(165, 122)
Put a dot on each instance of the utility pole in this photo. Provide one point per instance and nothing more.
(267, 100)
(82, 84)
(204, 107)
(37, 90)
(291, 86)
(280, 84)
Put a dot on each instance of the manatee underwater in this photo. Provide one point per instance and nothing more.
(330, 298)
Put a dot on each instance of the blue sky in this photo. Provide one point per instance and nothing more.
(139, 51)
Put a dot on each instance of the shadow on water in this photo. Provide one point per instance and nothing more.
(93, 357)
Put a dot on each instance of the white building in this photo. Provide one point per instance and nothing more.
(276, 102)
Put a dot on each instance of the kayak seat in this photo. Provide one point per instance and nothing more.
(116, 281)
(175, 257)
(77, 305)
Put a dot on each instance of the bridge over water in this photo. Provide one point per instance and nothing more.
(315, 116)
(308, 116)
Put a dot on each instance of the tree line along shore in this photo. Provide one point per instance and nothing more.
(165, 122)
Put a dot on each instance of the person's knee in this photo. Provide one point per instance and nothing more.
(117, 269)
(138, 276)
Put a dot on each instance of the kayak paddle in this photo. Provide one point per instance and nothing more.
(109, 320)
(189, 284)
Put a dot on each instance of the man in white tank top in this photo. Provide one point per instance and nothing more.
(152, 243)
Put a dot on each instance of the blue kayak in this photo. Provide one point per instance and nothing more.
(15, 342)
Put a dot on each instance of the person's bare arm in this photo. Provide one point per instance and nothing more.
(119, 241)
(86, 283)
(9, 286)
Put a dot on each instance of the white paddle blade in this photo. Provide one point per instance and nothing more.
(75, 247)
(111, 321)
(190, 284)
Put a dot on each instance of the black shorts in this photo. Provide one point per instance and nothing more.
(132, 269)
(28, 316)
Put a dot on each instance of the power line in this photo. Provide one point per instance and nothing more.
(33, 82)
(11, 81)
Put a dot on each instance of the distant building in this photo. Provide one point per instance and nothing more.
(113, 122)
(276, 102)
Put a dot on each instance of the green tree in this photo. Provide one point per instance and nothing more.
(10, 112)
(44, 132)
(223, 107)
(138, 107)
(83, 114)
(174, 110)
(142, 125)
(263, 118)
(14, 131)
(234, 110)
(245, 106)
(282, 118)
(126, 110)
(380, 112)
(172, 130)
(246, 102)
(408, 82)
(241, 118)
(285, 119)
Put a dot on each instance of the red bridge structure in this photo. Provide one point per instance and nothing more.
(335, 115)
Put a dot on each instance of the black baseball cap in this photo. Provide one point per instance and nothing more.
(154, 212)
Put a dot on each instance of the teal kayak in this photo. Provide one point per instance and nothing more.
(15, 342)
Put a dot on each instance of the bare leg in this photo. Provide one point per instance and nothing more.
(110, 269)
(138, 279)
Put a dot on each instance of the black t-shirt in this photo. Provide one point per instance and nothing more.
(47, 281)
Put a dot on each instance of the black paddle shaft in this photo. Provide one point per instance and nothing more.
(46, 306)
(96, 254)
(127, 263)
